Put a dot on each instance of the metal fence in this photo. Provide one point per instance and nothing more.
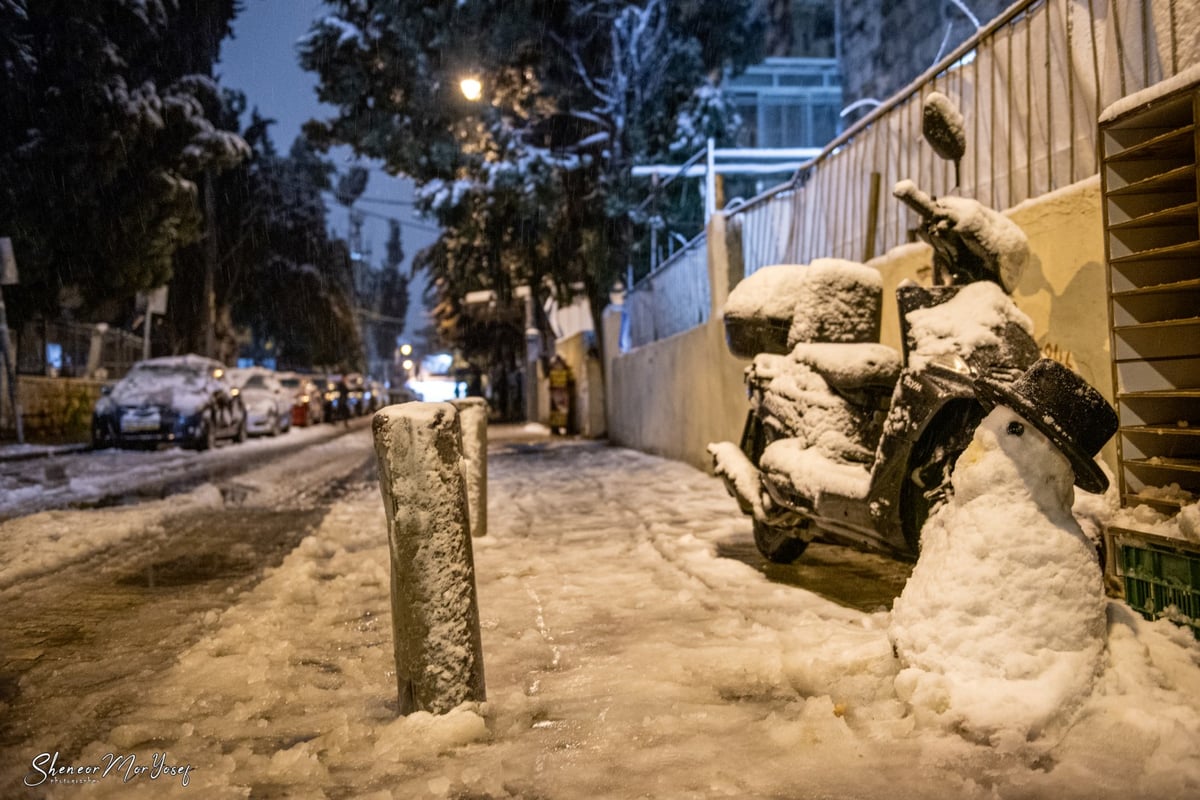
(75, 350)
(672, 299)
(1031, 85)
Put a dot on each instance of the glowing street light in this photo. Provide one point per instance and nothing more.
(406, 349)
(471, 88)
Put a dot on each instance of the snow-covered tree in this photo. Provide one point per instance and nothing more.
(531, 184)
(108, 127)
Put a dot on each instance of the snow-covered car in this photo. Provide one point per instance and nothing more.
(268, 404)
(358, 394)
(187, 400)
(308, 406)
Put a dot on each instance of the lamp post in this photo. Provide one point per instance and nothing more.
(471, 88)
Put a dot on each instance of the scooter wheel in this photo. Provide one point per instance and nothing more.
(778, 545)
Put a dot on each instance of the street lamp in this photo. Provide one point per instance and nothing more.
(471, 88)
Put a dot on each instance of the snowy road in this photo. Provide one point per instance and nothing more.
(113, 477)
(86, 625)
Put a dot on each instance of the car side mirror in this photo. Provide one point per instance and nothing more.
(105, 391)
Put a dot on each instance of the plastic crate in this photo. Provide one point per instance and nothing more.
(1161, 576)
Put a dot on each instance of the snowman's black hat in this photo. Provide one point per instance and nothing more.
(1063, 406)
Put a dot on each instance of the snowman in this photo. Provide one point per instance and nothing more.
(1000, 630)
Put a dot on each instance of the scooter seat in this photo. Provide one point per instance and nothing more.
(805, 475)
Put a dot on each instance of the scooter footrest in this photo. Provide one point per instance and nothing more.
(741, 477)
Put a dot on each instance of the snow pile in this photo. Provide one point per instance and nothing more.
(838, 301)
(1001, 627)
(40, 543)
(973, 319)
(769, 293)
(811, 473)
(1184, 525)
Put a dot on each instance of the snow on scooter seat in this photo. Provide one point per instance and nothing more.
(1001, 628)
(811, 474)
(972, 319)
(824, 396)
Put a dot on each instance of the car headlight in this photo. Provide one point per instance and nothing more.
(304, 398)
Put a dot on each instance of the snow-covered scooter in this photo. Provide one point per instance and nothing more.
(846, 440)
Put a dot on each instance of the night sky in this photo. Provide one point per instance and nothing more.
(261, 61)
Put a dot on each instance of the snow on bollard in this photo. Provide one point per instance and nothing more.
(472, 417)
(435, 613)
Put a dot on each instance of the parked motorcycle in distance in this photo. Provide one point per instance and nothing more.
(846, 439)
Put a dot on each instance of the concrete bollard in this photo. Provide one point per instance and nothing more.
(472, 416)
(435, 612)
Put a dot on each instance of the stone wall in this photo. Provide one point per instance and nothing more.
(54, 410)
(886, 44)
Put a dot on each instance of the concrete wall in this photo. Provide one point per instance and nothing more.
(674, 396)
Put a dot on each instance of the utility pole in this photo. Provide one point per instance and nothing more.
(211, 256)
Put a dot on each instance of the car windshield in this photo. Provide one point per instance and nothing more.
(291, 383)
(148, 378)
(255, 382)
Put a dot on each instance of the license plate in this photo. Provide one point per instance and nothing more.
(137, 423)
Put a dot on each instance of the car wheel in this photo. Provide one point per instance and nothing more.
(778, 544)
(101, 440)
(208, 435)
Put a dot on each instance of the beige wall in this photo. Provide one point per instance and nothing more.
(674, 396)
(588, 401)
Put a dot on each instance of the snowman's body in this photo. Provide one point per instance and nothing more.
(1001, 627)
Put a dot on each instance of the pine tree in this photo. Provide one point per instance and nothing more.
(108, 126)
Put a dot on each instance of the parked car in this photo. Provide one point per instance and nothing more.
(308, 406)
(333, 402)
(358, 394)
(187, 400)
(268, 404)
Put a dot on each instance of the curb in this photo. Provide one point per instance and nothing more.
(45, 452)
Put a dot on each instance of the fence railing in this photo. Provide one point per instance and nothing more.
(672, 299)
(1031, 85)
(75, 350)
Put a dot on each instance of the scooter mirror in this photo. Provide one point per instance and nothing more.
(943, 127)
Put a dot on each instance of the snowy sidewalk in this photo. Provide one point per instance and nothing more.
(623, 658)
